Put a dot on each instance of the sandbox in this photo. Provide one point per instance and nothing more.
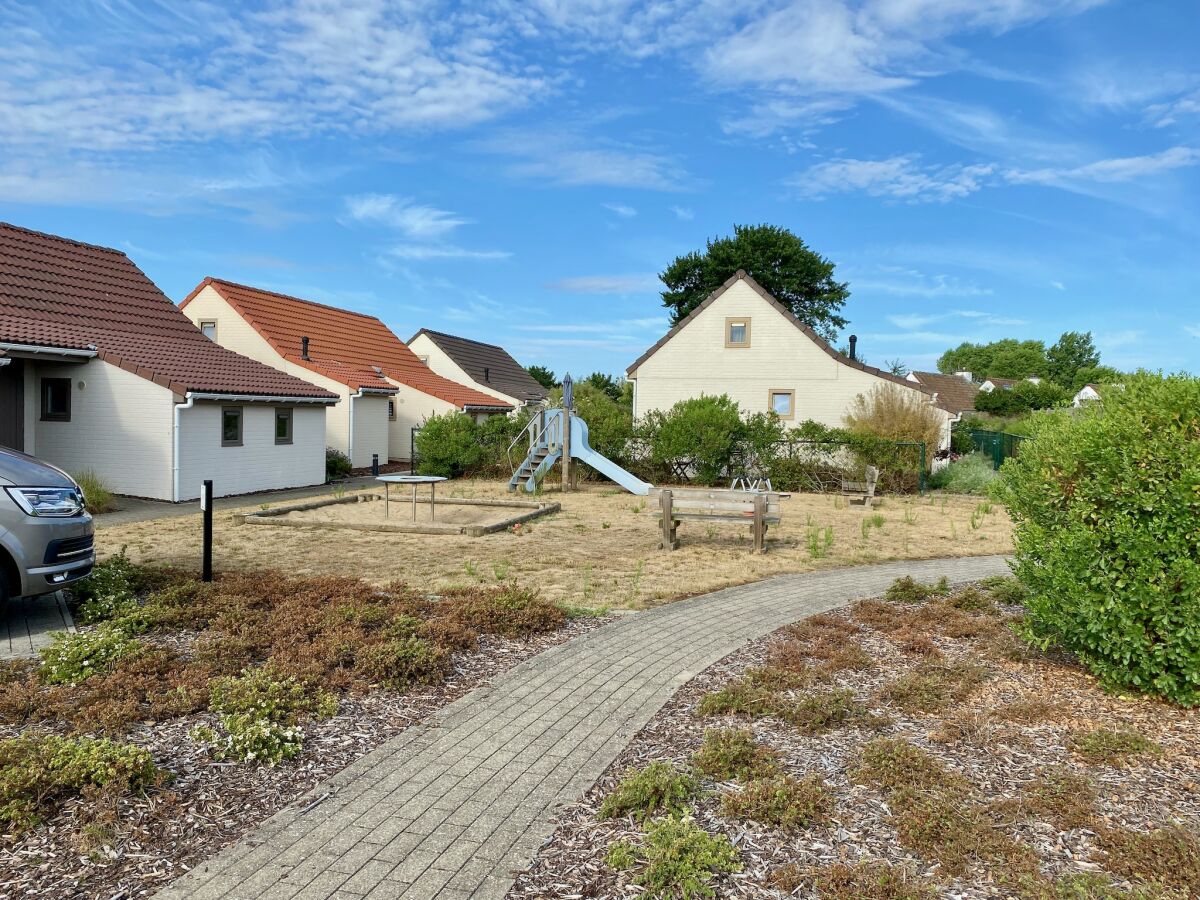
(366, 512)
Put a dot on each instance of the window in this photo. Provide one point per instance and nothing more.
(56, 399)
(231, 426)
(283, 426)
(392, 410)
(783, 403)
(737, 332)
(209, 330)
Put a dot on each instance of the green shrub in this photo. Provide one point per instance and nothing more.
(621, 855)
(337, 464)
(682, 860)
(1022, 397)
(1105, 505)
(96, 493)
(970, 474)
(781, 801)
(822, 710)
(658, 789)
(74, 658)
(932, 686)
(1005, 589)
(36, 772)
(706, 438)
(405, 661)
(448, 445)
(610, 422)
(259, 711)
(895, 413)
(870, 881)
(112, 582)
(732, 753)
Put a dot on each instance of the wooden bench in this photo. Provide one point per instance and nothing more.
(862, 490)
(758, 509)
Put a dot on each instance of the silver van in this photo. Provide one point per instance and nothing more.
(45, 531)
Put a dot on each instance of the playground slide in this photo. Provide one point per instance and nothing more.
(582, 450)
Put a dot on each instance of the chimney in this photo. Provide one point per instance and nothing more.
(853, 346)
(304, 348)
(487, 374)
(966, 376)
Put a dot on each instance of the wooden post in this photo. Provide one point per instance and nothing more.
(760, 523)
(668, 521)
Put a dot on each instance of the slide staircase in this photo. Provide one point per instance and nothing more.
(544, 440)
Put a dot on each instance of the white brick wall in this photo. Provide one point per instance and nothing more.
(120, 427)
(259, 464)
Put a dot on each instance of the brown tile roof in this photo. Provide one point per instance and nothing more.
(740, 275)
(1003, 382)
(343, 345)
(60, 293)
(477, 359)
(954, 393)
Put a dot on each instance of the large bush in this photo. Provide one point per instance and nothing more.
(454, 445)
(609, 420)
(894, 413)
(707, 438)
(1106, 505)
(1022, 397)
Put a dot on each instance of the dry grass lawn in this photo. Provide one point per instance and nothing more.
(601, 549)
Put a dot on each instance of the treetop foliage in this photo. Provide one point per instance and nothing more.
(796, 276)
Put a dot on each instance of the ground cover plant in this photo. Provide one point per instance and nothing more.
(183, 713)
(970, 770)
(600, 550)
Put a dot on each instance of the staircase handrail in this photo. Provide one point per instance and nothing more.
(547, 418)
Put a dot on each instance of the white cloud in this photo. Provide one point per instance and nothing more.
(652, 323)
(412, 219)
(911, 321)
(1127, 168)
(1117, 339)
(442, 251)
(565, 158)
(619, 209)
(1193, 330)
(683, 213)
(1164, 114)
(1058, 285)
(903, 281)
(899, 177)
(607, 284)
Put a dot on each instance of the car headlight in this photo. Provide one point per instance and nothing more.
(47, 501)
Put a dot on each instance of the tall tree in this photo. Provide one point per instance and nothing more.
(1007, 358)
(799, 278)
(543, 376)
(606, 383)
(1073, 352)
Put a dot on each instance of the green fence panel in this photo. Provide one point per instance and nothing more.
(997, 445)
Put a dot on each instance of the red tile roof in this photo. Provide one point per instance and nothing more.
(59, 293)
(955, 394)
(343, 345)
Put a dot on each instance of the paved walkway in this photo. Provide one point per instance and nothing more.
(449, 809)
(28, 624)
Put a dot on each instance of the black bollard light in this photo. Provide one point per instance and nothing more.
(375, 464)
(206, 507)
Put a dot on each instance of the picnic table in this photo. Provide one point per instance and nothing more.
(416, 481)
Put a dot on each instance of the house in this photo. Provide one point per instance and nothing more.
(102, 372)
(953, 393)
(1005, 384)
(485, 367)
(385, 391)
(743, 342)
(1086, 394)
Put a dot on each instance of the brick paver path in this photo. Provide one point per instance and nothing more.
(30, 623)
(449, 809)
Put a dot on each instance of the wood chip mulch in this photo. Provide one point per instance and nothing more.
(975, 737)
(130, 846)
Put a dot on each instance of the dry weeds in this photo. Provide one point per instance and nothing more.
(599, 550)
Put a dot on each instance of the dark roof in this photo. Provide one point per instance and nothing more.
(955, 394)
(503, 373)
(55, 292)
(1003, 382)
(741, 275)
(343, 345)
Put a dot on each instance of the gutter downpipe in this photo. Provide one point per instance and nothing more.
(350, 440)
(179, 408)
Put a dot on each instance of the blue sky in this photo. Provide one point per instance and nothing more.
(517, 171)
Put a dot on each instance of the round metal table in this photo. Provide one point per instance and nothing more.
(415, 481)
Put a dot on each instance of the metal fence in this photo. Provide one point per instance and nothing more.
(997, 445)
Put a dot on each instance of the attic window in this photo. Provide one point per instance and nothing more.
(209, 330)
(737, 332)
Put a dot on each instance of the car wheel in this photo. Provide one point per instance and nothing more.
(4, 595)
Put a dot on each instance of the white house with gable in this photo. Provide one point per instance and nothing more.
(743, 342)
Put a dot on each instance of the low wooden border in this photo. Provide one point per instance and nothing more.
(533, 510)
